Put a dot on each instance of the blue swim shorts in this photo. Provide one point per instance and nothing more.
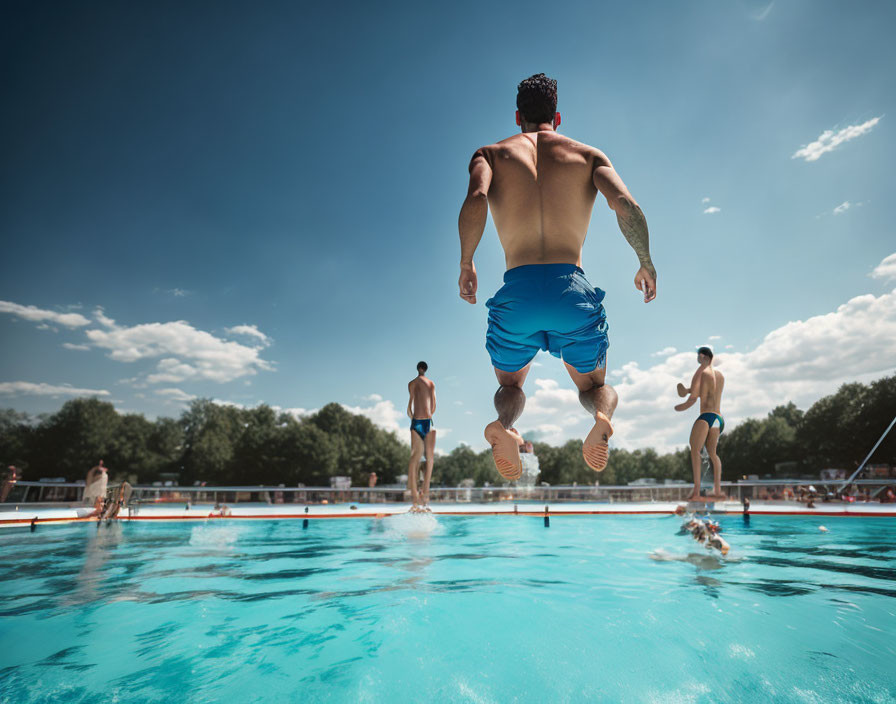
(549, 307)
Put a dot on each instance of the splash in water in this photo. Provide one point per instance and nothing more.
(413, 526)
(213, 536)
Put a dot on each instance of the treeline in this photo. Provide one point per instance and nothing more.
(214, 443)
(228, 445)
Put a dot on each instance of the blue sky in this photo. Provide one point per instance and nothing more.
(258, 203)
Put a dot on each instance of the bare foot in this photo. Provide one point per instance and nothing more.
(717, 497)
(695, 496)
(596, 449)
(505, 450)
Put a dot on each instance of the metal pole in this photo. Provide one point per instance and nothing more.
(892, 423)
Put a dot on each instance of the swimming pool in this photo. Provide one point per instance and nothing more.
(453, 609)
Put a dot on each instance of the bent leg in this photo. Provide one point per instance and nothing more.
(698, 438)
(430, 444)
(712, 443)
(599, 399)
(500, 434)
(509, 398)
(414, 467)
(594, 393)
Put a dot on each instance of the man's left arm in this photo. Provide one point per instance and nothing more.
(630, 218)
(410, 402)
(433, 394)
(471, 223)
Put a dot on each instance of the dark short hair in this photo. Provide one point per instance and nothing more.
(706, 351)
(536, 98)
(422, 366)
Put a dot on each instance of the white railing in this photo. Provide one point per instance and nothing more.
(780, 489)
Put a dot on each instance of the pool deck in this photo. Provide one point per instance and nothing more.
(22, 516)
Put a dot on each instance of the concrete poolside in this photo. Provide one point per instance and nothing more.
(24, 515)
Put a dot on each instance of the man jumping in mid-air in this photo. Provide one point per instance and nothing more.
(541, 188)
(421, 406)
(706, 385)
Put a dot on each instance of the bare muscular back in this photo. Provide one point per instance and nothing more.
(541, 196)
(422, 403)
(711, 384)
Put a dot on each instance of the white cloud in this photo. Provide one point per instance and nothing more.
(715, 337)
(711, 210)
(886, 269)
(188, 354)
(251, 331)
(842, 208)
(800, 362)
(297, 413)
(665, 352)
(175, 395)
(103, 319)
(704, 201)
(26, 388)
(372, 397)
(72, 346)
(34, 314)
(384, 414)
(232, 404)
(829, 140)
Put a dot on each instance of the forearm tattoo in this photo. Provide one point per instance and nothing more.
(634, 226)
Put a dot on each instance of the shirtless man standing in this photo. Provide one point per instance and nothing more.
(541, 188)
(421, 406)
(706, 385)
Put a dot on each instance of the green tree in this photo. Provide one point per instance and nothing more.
(310, 455)
(70, 442)
(16, 438)
(209, 434)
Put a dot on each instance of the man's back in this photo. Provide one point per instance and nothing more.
(541, 196)
(711, 385)
(422, 391)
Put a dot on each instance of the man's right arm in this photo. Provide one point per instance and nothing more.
(471, 223)
(693, 392)
(631, 221)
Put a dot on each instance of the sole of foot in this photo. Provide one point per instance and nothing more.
(596, 448)
(505, 450)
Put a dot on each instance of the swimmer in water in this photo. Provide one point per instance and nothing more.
(706, 533)
(540, 187)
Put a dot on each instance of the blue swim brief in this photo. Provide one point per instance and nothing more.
(711, 418)
(421, 426)
(547, 307)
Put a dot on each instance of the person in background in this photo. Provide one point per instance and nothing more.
(371, 483)
(10, 477)
(95, 489)
(706, 385)
(421, 407)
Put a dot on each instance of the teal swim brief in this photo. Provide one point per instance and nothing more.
(547, 307)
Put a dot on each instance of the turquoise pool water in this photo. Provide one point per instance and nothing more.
(454, 610)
